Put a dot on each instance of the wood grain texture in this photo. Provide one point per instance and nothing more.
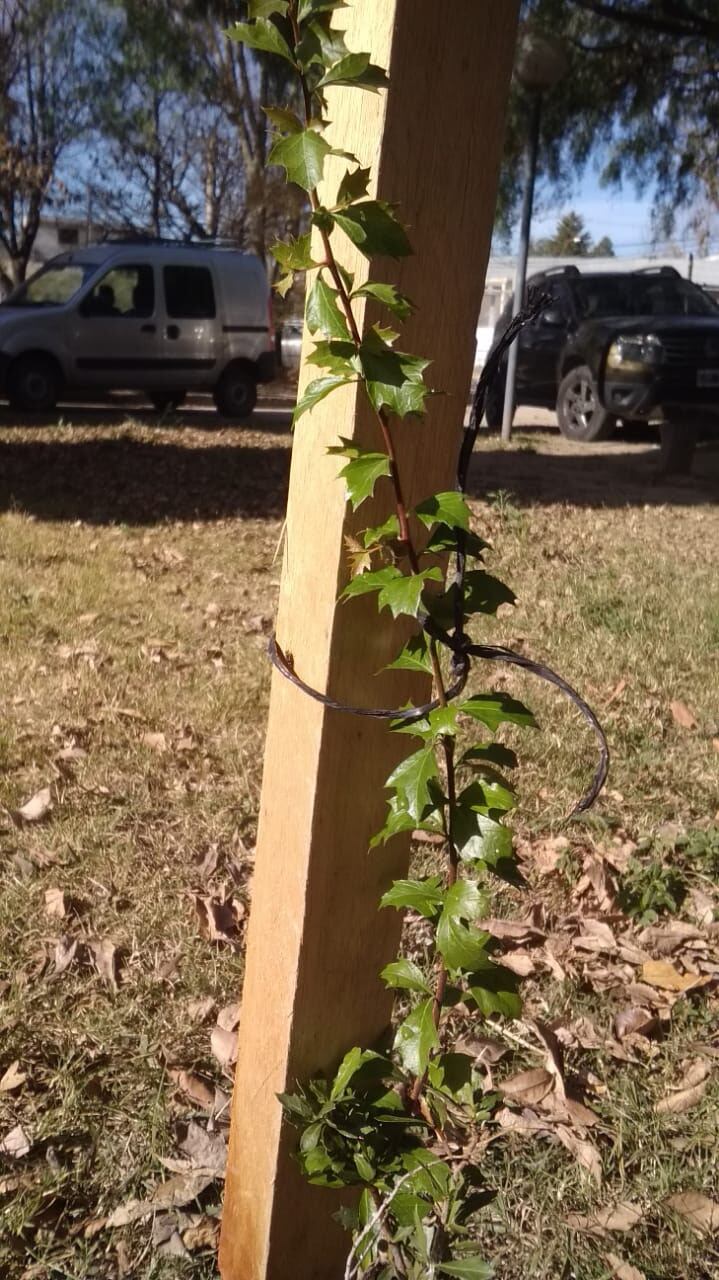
(316, 939)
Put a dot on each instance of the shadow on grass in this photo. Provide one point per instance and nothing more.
(123, 479)
(538, 472)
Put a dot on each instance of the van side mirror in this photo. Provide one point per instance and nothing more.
(552, 318)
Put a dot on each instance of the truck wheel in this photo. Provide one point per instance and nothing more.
(34, 384)
(580, 415)
(166, 401)
(236, 393)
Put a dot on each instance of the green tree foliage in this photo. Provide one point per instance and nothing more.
(572, 240)
(642, 85)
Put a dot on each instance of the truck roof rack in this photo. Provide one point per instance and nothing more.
(568, 269)
(658, 271)
(186, 242)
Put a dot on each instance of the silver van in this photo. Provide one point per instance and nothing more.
(160, 317)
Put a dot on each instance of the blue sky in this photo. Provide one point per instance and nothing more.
(624, 215)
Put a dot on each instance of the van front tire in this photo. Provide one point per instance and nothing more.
(34, 384)
(236, 393)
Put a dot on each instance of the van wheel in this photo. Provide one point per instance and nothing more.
(236, 393)
(166, 401)
(580, 415)
(34, 384)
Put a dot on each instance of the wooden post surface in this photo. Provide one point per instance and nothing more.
(316, 939)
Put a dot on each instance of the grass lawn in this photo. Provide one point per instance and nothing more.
(138, 573)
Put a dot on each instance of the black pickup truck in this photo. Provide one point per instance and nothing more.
(617, 346)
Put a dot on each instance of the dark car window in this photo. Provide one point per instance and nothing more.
(124, 293)
(189, 293)
(667, 296)
(603, 296)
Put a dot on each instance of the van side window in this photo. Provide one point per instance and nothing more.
(125, 293)
(189, 293)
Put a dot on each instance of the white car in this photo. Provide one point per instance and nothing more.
(139, 314)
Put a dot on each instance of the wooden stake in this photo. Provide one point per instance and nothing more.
(316, 939)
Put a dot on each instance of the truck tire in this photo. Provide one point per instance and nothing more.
(34, 383)
(235, 395)
(579, 413)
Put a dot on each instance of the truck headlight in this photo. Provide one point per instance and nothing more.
(635, 353)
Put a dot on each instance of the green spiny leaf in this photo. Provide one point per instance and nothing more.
(380, 532)
(462, 946)
(403, 594)
(389, 296)
(443, 538)
(374, 228)
(479, 837)
(440, 723)
(494, 990)
(416, 1038)
(414, 656)
(317, 391)
(393, 378)
(405, 975)
(368, 582)
(308, 8)
(411, 779)
(362, 472)
(321, 44)
(494, 709)
(355, 70)
(423, 896)
(335, 357)
(491, 753)
(294, 255)
(264, 35)
(351, 1064)
(323, 312)
(266, 8)
(353, 186)
(303, 156)
(465, 900)
(283, 120)
(444, 508)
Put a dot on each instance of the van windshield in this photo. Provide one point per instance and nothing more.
(52, 286)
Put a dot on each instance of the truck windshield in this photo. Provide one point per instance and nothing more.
(637, 295)
(52, 285)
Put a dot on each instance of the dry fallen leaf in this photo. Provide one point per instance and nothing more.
(179, 1190)
(518, 932)
(202, 1235)
(528, 1087)
(635, 1021)
(200, 1010)
(698, 1210)
(202, 1093)
(219, 920)
(105, 956)
(13, 1078)
(36, 808)
(665, 938)
(681, 1100)
(682, 715)
(204, 1150)
(544, 856)
(229, 1017)
(659, 973)
(224, 1046)
(15, 1143)
(618, 1217)
(65, 950)
(155, 741)
(8, 1184)
(596, 936)
(584, 1152)
(55, 903)
(623, 1270)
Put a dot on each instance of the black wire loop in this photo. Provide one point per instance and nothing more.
(457, 642)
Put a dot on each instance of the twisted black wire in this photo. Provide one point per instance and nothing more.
(457, 642)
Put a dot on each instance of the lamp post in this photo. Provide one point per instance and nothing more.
(541, 62)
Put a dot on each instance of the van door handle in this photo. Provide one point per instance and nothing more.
(148, 328)
(172, 331)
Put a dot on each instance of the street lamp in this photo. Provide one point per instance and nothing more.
(540, 63)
